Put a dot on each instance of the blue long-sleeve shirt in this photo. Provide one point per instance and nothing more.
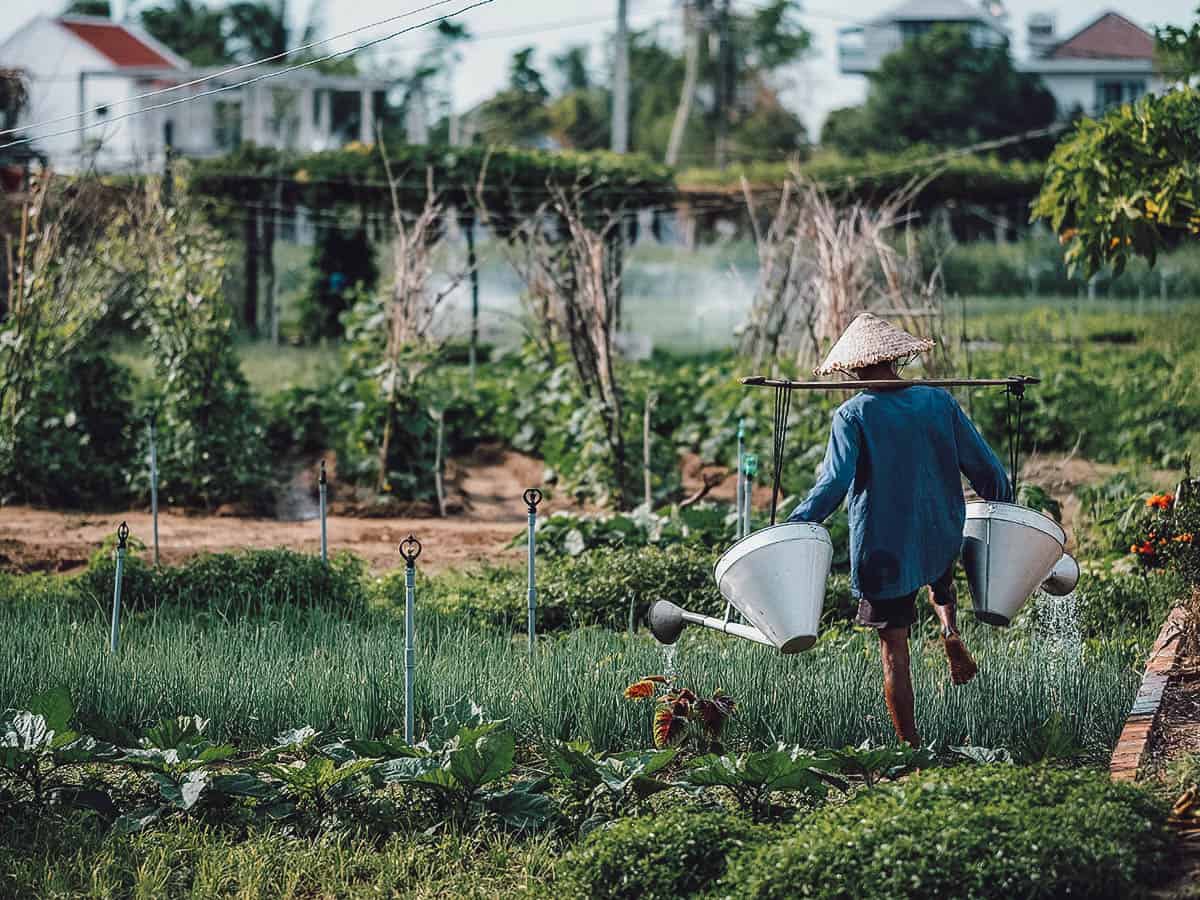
(898, 453)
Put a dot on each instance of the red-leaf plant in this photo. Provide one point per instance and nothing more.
(681, 717)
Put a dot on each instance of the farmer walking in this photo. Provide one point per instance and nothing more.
(898, 452)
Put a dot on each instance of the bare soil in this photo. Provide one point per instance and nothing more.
(483, 505)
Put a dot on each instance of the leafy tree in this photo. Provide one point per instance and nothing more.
(572, 68)
(772, 37)
(60, 286)
(1125, 184)
(942, 89)
(765, 42)
(211, 446)
(580, 119)
(259, 29)
(518, 114)
(1179, 49)
(88, 8)
(431, 82)
(191, 29)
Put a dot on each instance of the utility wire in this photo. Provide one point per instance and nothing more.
(224, 72)
(229, 87)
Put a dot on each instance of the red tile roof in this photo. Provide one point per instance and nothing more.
(118, 43)
(1112, 36)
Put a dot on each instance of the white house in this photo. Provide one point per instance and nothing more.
(861, 48)
(1104, 64)
(86, 72)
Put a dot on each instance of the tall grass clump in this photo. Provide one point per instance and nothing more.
(246, 582)
(256, 677)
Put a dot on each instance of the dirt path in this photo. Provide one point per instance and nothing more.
(483, 493)
(483, 502)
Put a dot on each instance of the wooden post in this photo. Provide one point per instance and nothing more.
(440, 416)
(250, 298)
(472, 265)
(649, 498)
(268, 262)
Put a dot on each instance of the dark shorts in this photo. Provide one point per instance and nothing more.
(901, 612)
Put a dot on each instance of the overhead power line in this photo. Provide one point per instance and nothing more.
(267, 75)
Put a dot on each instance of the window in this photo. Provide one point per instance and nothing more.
(911, 30)
(1114, 93)
(227, 124)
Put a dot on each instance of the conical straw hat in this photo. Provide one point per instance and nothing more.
(870, 340)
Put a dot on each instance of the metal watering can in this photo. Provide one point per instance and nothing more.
(776, 576)
(1010, 551)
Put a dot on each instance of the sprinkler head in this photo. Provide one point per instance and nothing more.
(666, 621)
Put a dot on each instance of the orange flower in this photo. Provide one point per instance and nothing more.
(1185, 538)
(1160, 501)
(1067, 235)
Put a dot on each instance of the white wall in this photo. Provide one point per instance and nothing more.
(53, 58)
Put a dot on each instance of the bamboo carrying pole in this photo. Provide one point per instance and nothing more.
(410, 549)
(764, 381)
(1014, 385)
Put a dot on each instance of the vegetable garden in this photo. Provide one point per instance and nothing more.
(247, 737)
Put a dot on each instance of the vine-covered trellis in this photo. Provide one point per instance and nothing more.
(511, 183)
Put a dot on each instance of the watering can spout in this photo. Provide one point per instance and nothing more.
(1063, 577)
(667, 621)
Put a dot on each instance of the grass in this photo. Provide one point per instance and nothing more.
(254, 678)
(268, 368)
(51, 858)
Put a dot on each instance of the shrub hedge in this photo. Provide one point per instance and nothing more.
(977, 832)
(672, 854)
(244, 582)
(595, 588)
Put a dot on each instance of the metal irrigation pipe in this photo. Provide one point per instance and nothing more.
(154, 483)
(324, 540)
(122, 539)
(749, 470)
(532, 498)
(410, 549)
(741, 445)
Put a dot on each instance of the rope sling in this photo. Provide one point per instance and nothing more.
(1014, 414)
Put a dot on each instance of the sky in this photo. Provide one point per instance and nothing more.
(504, 26)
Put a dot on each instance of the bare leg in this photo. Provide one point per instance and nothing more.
(945, 605)
(947, 612)
(897, 683)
